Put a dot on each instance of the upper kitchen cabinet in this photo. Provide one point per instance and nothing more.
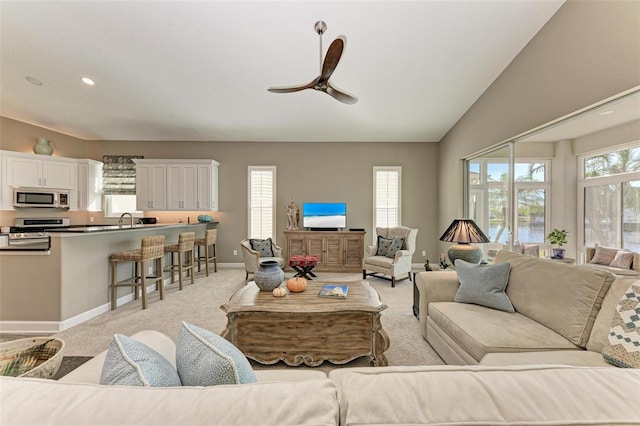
(181, 184)
(90, 185)
(40, 171)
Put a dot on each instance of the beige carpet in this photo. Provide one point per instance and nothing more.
(199, 304)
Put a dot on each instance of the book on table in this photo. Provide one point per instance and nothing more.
(336, 291)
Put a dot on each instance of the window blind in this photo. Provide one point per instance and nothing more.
(261, 202)
(119, 174)
(387, 196)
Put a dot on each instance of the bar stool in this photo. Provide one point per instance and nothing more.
(185, 251)
(151, 248)
(209, 240)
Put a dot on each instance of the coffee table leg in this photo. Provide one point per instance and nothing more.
(380, 343)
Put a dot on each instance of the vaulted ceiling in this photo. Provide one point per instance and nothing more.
(199, 70)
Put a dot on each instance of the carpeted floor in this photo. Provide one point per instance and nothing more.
(199, 304)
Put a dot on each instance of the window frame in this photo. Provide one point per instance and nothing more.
(272, 170)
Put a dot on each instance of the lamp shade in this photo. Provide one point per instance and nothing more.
(464, 232)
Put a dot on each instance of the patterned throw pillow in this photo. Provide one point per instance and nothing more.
(383, 246)
(604, 255)
(396, 245)
(623, 259)
(205, 359)
(132, 363)
(484, 285)
(264, 247)
(623, 346)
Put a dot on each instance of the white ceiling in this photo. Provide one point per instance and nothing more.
(187, 70)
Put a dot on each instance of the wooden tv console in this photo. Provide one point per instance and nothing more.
(337, 251)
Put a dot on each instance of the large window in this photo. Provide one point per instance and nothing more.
(119, 185)
(386, 196)
(262, 201)
(610, 188)
(489, 203)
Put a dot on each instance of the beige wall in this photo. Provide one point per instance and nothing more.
(587, 52)
(321, 172)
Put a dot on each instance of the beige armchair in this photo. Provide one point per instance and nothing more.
(396, 263)
(252, 257)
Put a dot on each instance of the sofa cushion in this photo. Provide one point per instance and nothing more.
(478, 395)
(264, 247)
(205, 359)
(381, 261)
(623, 259)
(132, 363)
(575, 358)
(616, 271)
(483, 285)
(623, 346)
(600, 331)
(565, 298)
(48, 402)
(604, 255)
(498, 331)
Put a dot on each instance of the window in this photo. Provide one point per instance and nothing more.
(386, 196)
(489, 201)
(262, 201)
(119, 185)
(610, 192)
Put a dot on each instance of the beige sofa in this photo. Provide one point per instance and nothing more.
(563, 314)
(348, 396)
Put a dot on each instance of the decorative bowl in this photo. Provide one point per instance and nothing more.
(32, 357)
(204, 218)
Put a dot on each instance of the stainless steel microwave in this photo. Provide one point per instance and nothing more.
(40, 197)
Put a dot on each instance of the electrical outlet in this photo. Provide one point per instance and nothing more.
(424, 253)
(91, 219)
(235, 252)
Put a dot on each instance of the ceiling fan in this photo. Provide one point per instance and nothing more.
(327, 68)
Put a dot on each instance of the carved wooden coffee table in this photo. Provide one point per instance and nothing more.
(304, 328)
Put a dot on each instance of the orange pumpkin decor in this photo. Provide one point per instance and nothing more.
(297, 284)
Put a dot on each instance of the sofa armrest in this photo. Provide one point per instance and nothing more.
(436, 286)
(370, 251)
(277, 250)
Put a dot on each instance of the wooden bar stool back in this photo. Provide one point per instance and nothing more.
(151, 248)
(208, 243)
(185, 253)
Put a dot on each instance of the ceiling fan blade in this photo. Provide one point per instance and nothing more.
(332, 58)
(340, 95)
(290, 89)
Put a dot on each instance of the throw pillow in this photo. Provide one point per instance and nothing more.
(383, 246)
(623, 259)
(264, 247)
(396, 244)
(132, 363)
(604, 255)
(623, 346)
(205, 359)
(484, 285)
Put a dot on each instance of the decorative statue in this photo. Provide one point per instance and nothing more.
(293, 214)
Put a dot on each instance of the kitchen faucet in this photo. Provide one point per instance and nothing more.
(122, 217)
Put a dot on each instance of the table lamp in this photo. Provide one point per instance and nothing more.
(464, 232)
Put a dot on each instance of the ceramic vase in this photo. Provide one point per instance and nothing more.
(558, 253)
(268, 276)
(43, 146)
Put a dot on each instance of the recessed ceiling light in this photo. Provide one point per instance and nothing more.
(87, 80)
(35, 81)
(607, 112)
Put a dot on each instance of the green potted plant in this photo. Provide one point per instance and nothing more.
(558, 237)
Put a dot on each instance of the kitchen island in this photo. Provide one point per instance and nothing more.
(52, 291)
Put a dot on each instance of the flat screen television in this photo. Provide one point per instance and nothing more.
(324, 215)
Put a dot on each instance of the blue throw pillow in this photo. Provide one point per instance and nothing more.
(132, 363)
(205, 359)
(484, 285)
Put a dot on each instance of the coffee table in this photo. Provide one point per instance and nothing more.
(304, 328)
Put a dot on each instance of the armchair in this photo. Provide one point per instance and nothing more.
(384, 257)
(252, 258)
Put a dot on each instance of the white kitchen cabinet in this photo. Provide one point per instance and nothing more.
(32, 170)
(190, 185)
(151, 186)
(89, 185)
